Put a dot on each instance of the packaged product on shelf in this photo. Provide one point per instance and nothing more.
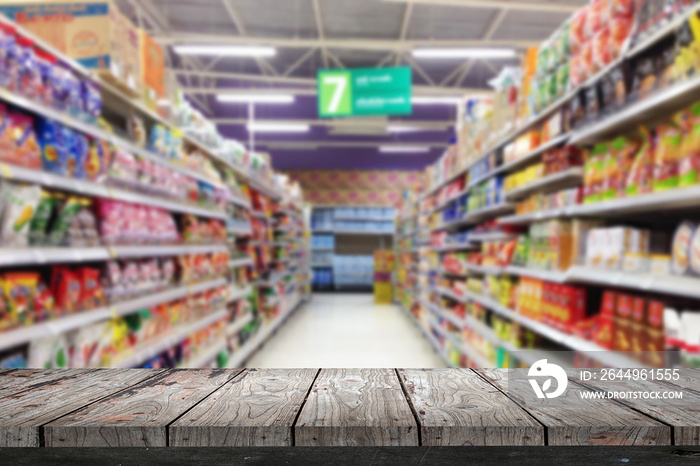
(13, 359)
(42, 216)
(17, 206)
(67, 289)
(690, 323)
(91, 293)
(49, 353)
(18, 141)
(640, 178)
(19, 289)
(680, 264)
(137, 130)
(694, 252)
(66, 211)
(667, 157)
(689, 167)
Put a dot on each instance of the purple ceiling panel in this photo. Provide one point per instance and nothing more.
(350, 159)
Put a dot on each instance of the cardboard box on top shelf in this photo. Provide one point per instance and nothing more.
(92, 32)
(152, 69)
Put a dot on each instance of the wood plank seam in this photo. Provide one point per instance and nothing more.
(410, 405)
(41, 427)
(236, 373)
(630, 407)
(296, 418)
(492, 383)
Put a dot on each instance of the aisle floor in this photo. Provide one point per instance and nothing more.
(347, 330)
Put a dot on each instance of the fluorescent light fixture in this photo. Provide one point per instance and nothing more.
(225, 50)
(436, 100)
(410, 129)
(464, 53)
(255, 98)
(403, 149)
(277, 127)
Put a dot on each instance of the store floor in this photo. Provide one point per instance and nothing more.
(347, 330)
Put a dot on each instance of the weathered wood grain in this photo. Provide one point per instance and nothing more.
(682, 414)
(457, 407)
(356, 407)
(22, 414)
(572, 420)
(689, 381)
(15, 381)
(257, 408)
(139, 416)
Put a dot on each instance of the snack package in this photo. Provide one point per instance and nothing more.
(78, 151)
(644, 78)
(667, 157)
(45, 63)
(44, 303)
(91, 294)
(42, 216)
(66, 210)
(640, 178)
(29, 83)
(137, 130)
(95, 160)
(67, 289)
(17, 205)
(23, 148)
(680, 251)
(92, 100)
(19, 289)
(601, 52)
(689, 166)
(53, 149)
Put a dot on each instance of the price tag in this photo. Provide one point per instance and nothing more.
(5, 171)
(112, 252)
(4, 93)
(113, 312)
(110, 192)
(38, 256)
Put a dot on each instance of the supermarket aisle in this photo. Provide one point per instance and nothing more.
(347, 330)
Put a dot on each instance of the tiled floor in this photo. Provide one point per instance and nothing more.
(347, 330)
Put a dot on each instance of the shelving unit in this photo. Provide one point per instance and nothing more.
(455, 230)
(235, 209)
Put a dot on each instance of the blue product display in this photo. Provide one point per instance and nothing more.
(353, 270)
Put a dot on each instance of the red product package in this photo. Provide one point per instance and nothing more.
(91, 293)
(594, 18)
(67, 289)
(621, 8)
(601, 56)
(619, 31)
(577, 30)
(585, 63)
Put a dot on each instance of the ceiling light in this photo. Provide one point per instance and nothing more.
(464, 53)
(225, 50)
(403, 149)
(436, 100)
(277, 127)
(256, 98)
(410, 129)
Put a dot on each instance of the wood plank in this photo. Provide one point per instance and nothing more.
(456, 407)
(139, 416)
(15, 381)
(689, 381)
(572, 420)
(356, 407)
(22, 414)
(682, 414)
(257, 408)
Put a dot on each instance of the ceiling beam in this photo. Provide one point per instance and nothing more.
(242, 31)
(553, 7)
(299, 62)
(309, 82)
(491, 29)
(344, 122)
(404, 27)
(356, 44)
(321, 32)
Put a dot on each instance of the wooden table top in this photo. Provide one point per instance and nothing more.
(334, 407)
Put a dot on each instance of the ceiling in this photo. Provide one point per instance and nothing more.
(313, 34)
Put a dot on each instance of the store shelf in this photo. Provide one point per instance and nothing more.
(526, 159)
(574, 343)
(491, 236)
(260, 215)
(244, 262)
(204, 357)
(662, 102)
(661, 32)
(654, 202)
(526, 219)
(24, 335)
(249, 347)
(446, 203)
(546, 275)
(450, 294)
(478, 215)
(455, 247)
(239, 324)
(484, 269)
(363, 219)
(238, 231)
(140, 355)
(53, 255)
(569, 178)
(90, 188)
(363, 233)
(428, 336)
(239, 201)
(237, 293)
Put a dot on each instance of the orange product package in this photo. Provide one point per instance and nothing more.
(18, 142)
(619, 30)
(640, 178)
(577, 30)
(601, 55)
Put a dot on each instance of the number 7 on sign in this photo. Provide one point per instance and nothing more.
(335, 93)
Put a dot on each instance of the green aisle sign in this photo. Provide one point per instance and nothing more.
(364, 91)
